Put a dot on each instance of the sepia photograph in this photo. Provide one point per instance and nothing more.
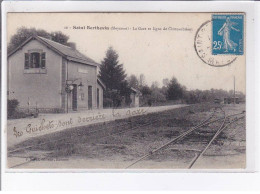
(126, 91)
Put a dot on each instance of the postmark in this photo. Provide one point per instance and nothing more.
(210, 45)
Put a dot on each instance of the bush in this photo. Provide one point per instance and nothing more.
(11, 107)
(108, 102)
(18, 115)
(146, 100)
(157, 96)
(13, 113)
(191, 98)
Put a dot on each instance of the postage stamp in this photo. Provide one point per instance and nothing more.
(228, 34)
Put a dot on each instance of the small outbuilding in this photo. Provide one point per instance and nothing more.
(134, 96)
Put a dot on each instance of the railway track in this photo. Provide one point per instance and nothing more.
(223, 126)
(224, 123)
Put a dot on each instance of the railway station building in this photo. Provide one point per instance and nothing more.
(51, 77)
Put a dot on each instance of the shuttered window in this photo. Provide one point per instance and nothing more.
(35, 60)
(43, 60)
(26, 61)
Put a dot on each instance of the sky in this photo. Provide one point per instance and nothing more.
(157, 54)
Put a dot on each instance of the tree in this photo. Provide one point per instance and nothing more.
(157, 96)
(146, 95)
(133, 81)
(146, 91)
(142, 80)
(155, 85)
(60, 37)
(174, 90)
(24, 33)
(166, 82)
(112, 73)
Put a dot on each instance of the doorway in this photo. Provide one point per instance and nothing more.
(89, 97)
(74, 98)
(97, 98)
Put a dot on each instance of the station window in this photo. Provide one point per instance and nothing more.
(35, 60)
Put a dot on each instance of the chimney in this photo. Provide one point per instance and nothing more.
(72, 45)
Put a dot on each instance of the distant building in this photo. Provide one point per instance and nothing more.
(230, 100)
(53, 77)
(134, 96)
(217, 101)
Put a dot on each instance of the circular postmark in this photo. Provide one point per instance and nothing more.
(203, 47)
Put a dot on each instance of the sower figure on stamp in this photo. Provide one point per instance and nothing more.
(225, 32)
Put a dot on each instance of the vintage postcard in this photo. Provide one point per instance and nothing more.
(126, 90)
